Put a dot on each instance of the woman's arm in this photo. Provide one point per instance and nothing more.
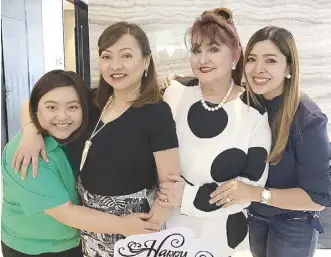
(167, 163)
(164, 144)
(25, 112)
(291, 199)
(96, 221)
(312, 154)
(50, 193)
(313, 171)
(30, 146)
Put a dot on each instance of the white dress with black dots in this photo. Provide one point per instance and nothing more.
(230, 143)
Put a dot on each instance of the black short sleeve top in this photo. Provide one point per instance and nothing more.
(121, 159)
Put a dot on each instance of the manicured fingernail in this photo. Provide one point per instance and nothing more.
(34, 176)
(47, 160)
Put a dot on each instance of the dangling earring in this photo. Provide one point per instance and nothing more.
(145, 73)
(234, 66)
(288, 76)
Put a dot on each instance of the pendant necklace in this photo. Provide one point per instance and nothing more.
(88, 143)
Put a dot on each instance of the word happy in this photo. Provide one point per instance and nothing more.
(169, 245)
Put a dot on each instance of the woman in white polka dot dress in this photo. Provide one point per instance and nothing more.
(221, 137)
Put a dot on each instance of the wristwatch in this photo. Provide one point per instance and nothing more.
(266, 196)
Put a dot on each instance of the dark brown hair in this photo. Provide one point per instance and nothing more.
(55, 79)
(149, 90)
(280, 127)
(215, 25)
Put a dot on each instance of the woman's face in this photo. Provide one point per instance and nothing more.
(210, 61)
(59, 112)
(266, 69)
(122, 65)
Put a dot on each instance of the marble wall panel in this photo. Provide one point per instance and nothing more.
(166, 22)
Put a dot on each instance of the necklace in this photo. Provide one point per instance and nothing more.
(88, 143)
(219, 106)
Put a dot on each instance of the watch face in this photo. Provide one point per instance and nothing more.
(266, 195)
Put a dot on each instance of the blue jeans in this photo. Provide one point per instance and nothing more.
(288, 237)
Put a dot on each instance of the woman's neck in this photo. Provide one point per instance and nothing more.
(125, 96)
(216, 90)
(274, 93)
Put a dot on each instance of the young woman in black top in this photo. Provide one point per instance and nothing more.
(284, 216)
(131, 143)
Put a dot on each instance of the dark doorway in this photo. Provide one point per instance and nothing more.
(82, 41)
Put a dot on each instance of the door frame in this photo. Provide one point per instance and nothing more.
(4, 119)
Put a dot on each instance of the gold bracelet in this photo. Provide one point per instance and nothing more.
(26, 123)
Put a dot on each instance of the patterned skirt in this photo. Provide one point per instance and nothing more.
(102, 245)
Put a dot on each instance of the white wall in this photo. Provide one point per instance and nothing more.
(34, 25)
(52, 13)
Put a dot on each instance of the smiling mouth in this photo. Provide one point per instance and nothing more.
(118, 75)
(62, 126)
(205, 69)
(260, 81)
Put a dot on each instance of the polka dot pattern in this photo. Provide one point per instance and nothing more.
(228, 164)
(205, 124)
(201, 201)
(254, 166)
(236, 229)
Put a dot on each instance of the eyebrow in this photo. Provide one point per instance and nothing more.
(54, 102)
(122, 49)
(265, 55)
(214, 43)
(209, 44)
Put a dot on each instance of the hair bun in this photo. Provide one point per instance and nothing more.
(225, 13)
